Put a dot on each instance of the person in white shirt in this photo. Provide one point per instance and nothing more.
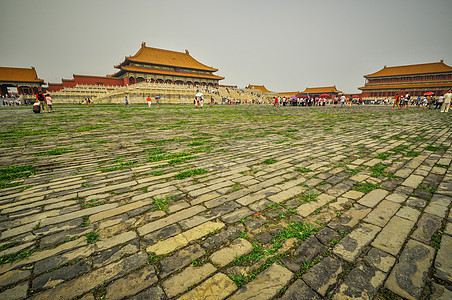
(446, 104)
(342, 100)
(440, 101)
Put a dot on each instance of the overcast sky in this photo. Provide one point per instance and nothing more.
(284, 45)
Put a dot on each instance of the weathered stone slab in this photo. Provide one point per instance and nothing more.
(162, 234)
(393, 235)
(51, 279)
(363, 282)
(324, 275)
(226, 255)
(300, 290)
(380, 259)
(13, 277)
(17, 292)
(352, 194)
(351, 246)
(222, 237)
(187, 278)
(44, 254)
(286, 194)
(408, 277)
(180, 259)
(308, 250)
(117, 211)
(413, 181)
(182, 239)
(382, 213)
(326, 235)
(266, 285)
(354, 215)
(77, 214)
(237, 215)
(416, 202)
(107, 189)
(397, 197)
(154, 293)
(436, 209)
(408, 213)
(85, 283)
(218, 287)
(171, 219)
(440, 292)
(443, 261)
(373, 198)
(132, 283)
(427, 226)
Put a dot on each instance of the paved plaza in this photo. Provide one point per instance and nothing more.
(236, 202)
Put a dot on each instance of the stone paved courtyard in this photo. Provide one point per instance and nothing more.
(237, 202)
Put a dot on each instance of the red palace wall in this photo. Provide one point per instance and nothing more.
(55, 87)
(68, 83)
(93, 80)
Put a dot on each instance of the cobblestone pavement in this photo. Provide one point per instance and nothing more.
(244, 202)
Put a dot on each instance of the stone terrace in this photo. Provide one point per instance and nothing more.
(233, 202)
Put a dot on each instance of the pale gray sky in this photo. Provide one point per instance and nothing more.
(284, 45)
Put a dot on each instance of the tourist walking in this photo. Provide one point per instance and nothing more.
(431, 102)
(396, 101)
(446, 104)
(41, 98)
(49, 102)
(440, 101)
(157, 98)
(149, 100)
(335, 101)
(342, 101)
(126, 99)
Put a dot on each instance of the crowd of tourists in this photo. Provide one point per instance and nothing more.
(425, 102)
(41, 102)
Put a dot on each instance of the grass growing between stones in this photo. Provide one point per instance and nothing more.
(91, 237)
(162, 203)
(269, 161)
(190, 173)
(10, 258)
(379, 170)
(365, 187)
(56, 151)
(11, 173)
(307, 197)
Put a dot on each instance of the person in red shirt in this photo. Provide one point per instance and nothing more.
(149, 101)
(41, 98)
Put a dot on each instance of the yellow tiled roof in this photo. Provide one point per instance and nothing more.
(157, 56)
(321, 90)
(19, 74)
(429, 68)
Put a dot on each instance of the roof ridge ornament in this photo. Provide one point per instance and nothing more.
(143, 44)
(186, 52)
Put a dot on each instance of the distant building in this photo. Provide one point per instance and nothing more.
(153, 65)
(413, 79)
(158, 65)
(21, 80)
(288, 94)
(258, 87)
(331, 91)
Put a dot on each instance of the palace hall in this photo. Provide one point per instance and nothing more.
(25, 80)
(331, 91)
(152, 65)
(158, 65)
(413, 79)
